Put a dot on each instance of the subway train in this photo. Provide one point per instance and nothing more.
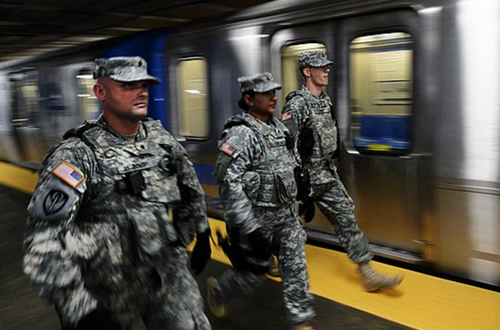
(415, 87)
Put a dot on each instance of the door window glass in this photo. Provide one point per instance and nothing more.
(192, 98)
(88, 104)
(291, 78)
(381, 80)
(25, 97)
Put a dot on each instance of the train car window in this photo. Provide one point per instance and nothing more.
(25, 97)
(291, 78)
(192, 98)
(381, 80)
(87, 102)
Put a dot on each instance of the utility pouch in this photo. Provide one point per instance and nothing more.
(303, 183)
(306, 144)
(150, 230)
(286, 188)
(251, 184)
(134, 183)
(183, 223)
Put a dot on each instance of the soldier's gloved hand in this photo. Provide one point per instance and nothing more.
(201, 252)
(98, 319)
(307, 209)
(260, 246)
(234, 253)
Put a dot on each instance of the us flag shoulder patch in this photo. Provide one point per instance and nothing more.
(287, 115)
(228, 149)
(68, 174)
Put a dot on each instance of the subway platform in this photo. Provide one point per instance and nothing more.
(420, 302)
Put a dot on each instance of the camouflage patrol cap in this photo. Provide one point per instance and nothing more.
(124, 69)
(259, 83)
(314, 59)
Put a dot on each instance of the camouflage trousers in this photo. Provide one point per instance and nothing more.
(288, 241)
(166, 297)
(338, 207)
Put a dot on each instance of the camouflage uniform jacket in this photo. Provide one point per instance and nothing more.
(254, 170)
(304, 110)
(92, 228)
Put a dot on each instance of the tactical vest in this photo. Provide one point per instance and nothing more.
(137, 183)
(323, 124)
(270, 181)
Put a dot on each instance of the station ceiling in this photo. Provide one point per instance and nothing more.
(34, 27)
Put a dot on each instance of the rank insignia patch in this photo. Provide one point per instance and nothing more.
(69, 174)
(228, 149)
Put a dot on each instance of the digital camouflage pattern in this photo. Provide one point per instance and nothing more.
(108, 239)
(313, 58)
(257, 187)
(304, 110)
(258, 172)
(125, 69)
(288, 241)
(259, 83)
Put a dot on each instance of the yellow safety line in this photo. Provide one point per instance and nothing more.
(421, 301)
(18, 178)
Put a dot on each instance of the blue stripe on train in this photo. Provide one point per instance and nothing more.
(392, 131)
(206, 177)
(151, 46)
(205, 174)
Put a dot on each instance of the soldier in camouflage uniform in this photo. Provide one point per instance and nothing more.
(308, 114)
(257, 187)
(115, 205)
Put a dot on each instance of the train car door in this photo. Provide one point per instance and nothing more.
(25, 114)
(9, 147)
(383, 162)
(386, 119)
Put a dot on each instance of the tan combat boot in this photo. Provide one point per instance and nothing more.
(303, 326)
(214, 305)
(374, 281)
(274, 270)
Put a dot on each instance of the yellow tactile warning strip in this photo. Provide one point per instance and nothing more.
(421, 301)
(18, 178)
